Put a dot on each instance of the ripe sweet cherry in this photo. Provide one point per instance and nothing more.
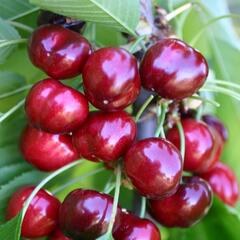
(55, 108)
(59, 52)
(186, 207)
(154, 167)
(173, 69)
(111, 79)
(47, 151)
(42, 214)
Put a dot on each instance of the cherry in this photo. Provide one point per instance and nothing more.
(203, 145)
(54, 107)
(186, 207)
(58, 235)
(47, 151)
(59, 52)
(173, 69)
(217, 124)
(105, 136)
(154, 167)
(85, 214)
(223, 182)
(111, 79)
(132, 227)
(41, 216)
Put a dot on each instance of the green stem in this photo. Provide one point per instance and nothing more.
(108, 184)
(182, 138)
(25, 13)
(12, 110)
(138, 42)
(14, 92)
(224, 83)
(144, 106)
(143, 207)
(4, 43)
(21, 26)
(78, 179)
(44, 182)
(210, 101)
(199, 112)
(159, 129)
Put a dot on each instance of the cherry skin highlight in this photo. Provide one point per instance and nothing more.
(173, 69)
(47, 151)
(111, 79)
(186, 207)
(223, 182)
(59, 52)
(154, 166)
(132, 227)
(55, 108)
(85, 214)
(105, 136)
(203, 145)
(58, 235)
(42, 214)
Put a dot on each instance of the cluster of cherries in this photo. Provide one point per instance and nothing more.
(61, 130)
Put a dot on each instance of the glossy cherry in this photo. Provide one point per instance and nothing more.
(47, 151)
(59, 52)
(203, 145)
(154, 167)
(186, 207)
(173, 69)
(223, 182)
(216, 123)
(58, 235)
(54, 107)
(42, 214)
(105, 136)
(132, 227)
(85, 214)
(111, 79)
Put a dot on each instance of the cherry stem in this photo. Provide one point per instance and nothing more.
(12, 110)
(109, 185)
(21, 26)
(224, 83)
(138, 42)
(143, 207)
(14, 92)
(115, 201)
(182, 138)
(210, 101)
(25, 13)
(78, 179)
(4, 43)
(44, 182)
(144, 106)
(178, 11)
(199, 113)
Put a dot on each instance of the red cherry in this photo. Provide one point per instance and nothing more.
(154, 167)
(111, 80)
(85, 214)
(105, 136)
(223, 182)
(59, 52)
(54, 107)
(203, 145)
(41, 217)
(217, 124)
(186, 207)
(173, 69)
(58, 235)
(47, 151)
(132, 227)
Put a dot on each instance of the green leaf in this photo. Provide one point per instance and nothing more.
(122, 15)
(7, 33)
(11, 229)
(15, 8)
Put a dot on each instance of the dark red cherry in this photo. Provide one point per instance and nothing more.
(154, 167)
(54, 107)
(105, 136)
(173, 69)
(58, 235)
(214, 122)
(47, 151)
(132, 227)
(42, 214)
(186, 207)
(203, 145)
(85, 214)
(59, 52)
(223, 182)
(111, 79)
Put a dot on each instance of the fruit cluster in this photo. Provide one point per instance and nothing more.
(61, 130)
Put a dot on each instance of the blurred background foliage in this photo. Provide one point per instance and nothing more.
(220, 44)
